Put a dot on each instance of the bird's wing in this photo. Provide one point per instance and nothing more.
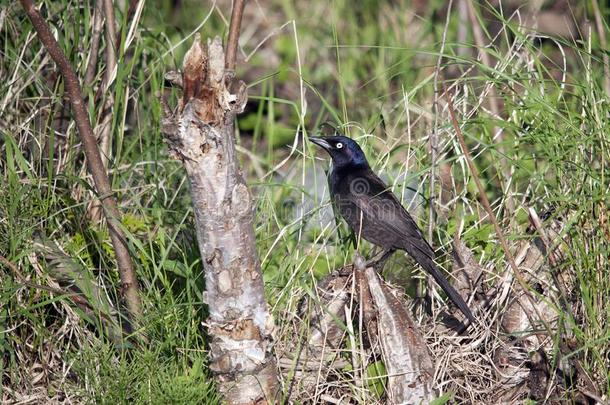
(381, 209)
(386, 222)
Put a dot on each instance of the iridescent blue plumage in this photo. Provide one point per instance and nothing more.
(344, 151)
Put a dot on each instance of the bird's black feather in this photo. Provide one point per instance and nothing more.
(373, 212)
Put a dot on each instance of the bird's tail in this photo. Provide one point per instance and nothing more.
(429, 265)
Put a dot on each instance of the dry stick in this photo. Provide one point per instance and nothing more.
(94, 161)
(434, 134)
(482, 195)
(234, 28)
(434, 147)
(104, 128)
(602, 40)
(133, 5)
(548, 246)
(493, 103)
(490, 213)
(111, 37)
(98, 24)
(117, 41)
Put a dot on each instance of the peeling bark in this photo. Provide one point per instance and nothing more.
(405, 354)
(200, 134)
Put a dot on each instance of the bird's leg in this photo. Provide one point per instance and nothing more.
(375, 251)
(374, 254)
(385, 255)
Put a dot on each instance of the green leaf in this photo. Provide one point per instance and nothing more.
(443, 399)
(376, 378)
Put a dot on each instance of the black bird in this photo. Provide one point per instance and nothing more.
(373, 212)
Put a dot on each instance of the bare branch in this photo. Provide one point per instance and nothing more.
(98, 24)
(493, 104)
(94, 162)
(434, 134)
(485, 201)
(131, 10)
(104, 128)
(234, 28)
(111, 39)
(604, 44)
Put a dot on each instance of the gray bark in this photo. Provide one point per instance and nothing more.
(405, 354)
(201, 135)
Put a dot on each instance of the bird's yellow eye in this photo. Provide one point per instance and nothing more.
(339, 145)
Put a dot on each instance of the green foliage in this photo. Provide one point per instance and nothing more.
(367, 65)
(377, 377)
(442, 400)
(149, 378)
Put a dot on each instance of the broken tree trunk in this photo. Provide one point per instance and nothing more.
(404, 351)
(200, 134)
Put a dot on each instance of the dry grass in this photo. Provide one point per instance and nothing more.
(544, 146)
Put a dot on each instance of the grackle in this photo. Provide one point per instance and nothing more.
(373, 212)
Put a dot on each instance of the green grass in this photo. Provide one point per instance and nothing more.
(369, 67)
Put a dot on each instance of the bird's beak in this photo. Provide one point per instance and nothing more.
(320, 142)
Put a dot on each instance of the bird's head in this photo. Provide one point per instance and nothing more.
(344, 151)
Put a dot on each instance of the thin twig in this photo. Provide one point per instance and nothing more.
(98, 24)
(548, 247)
(234, 29)
(482, 195)
(111, 38)
(434, 133)
(604, 44)
(487, 206)
(133, 15)
(498, 135)
(104, 128)
(94, 162)
(434, 144)
(131, 10)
